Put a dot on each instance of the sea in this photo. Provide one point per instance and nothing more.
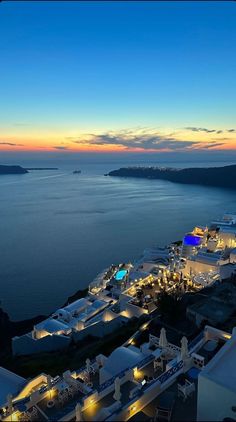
(58, 230)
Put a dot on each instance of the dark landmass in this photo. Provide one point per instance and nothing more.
(212, 176)
(76, 296)
(42, 168)
(171, 315)
(12, 170)
(9, 329)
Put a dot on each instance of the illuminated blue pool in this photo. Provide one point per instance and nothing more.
(120, 275)
(192, 240)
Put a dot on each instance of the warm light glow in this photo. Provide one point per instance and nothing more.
(65, 140)
(138, 375)
(227, 336)
(144, 326)
(14, 416)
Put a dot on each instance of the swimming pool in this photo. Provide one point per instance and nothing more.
(120, 275)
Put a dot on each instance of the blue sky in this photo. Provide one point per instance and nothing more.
(75, 68)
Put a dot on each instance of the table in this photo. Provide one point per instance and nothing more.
(211, 345)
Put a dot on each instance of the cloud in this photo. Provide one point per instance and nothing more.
(200, 129)
(11, 144)
(212, 145)
(60, 147)
(142, 139)
(222, 139)
(203, 129)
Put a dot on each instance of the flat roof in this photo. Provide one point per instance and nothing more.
(213, 309)
(10, 383)
(206, 257)
(221, 369)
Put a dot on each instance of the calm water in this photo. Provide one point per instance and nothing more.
(58, 230)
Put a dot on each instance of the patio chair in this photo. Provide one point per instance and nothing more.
(158, 363)
(165, 406)
(24, 417)
(62, 397)
(185, 390)
(71, 392)
(33, 414)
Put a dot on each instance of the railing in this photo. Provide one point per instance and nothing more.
(155, 341)
(173, 347)
(168, 374)
(196, 340)
(111, 381)
(121, 374)
(162, 378)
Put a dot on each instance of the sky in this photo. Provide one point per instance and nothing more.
(117, 76)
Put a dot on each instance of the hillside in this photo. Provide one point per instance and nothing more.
(12, 170)
(211, 176)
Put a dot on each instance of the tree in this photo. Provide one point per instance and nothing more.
(170, 306)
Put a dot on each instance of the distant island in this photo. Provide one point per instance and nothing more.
(12, 170)
(209, 176)
(5, 169)
(42, 168)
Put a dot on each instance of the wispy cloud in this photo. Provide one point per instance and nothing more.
(200, 129)
(11, 144)
(144, 139)
(203, 129)
(62, 147)
(212, 145)
(222, 138)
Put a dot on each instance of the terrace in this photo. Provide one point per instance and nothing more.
(180, 409)
(144, 293)
(93, 411)
(131, 380)
(61, 407)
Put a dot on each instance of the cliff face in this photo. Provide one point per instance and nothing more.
(212, 176)
(12, 170)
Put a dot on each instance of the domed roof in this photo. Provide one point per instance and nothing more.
(122, 358)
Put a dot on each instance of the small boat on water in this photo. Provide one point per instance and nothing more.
(76, 171)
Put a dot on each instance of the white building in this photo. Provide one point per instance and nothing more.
(217, 385)
(202, 262)
(56, 332)
(232, 257)
(10, 385)
(227, 236)
(228, 219)
(130, 379)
